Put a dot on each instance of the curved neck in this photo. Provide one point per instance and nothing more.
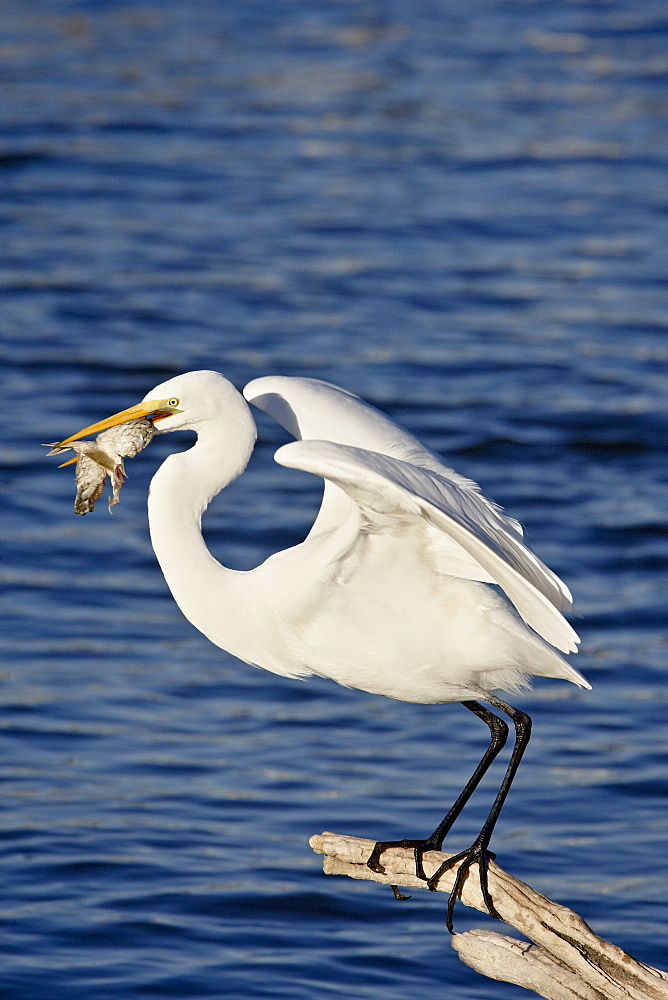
(210, 595)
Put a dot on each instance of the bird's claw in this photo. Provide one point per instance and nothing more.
(476, 854)
(419, 848)
(398, 894)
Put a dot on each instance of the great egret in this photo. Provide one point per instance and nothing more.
(390, 591)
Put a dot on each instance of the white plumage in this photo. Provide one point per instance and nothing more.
(390, 591)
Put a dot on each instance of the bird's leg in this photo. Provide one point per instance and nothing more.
(499, 733)
(478, 853)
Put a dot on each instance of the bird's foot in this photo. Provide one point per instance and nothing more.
(398, 894)
(476, 854)
(419, 848)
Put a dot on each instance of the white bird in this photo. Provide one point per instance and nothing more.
(389, 592)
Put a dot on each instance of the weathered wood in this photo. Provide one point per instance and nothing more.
(567, 960)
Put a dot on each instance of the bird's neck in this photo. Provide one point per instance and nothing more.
(210, 595)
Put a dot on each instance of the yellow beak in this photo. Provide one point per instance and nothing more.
(152, 409)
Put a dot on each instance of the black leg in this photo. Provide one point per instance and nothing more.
(478, 853)
(499, 733)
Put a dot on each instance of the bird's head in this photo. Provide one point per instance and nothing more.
(185, 402)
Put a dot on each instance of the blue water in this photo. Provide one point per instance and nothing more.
(456, 209)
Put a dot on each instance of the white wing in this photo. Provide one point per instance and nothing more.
(383, 486)
(311, 409)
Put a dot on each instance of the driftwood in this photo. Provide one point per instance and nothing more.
(567, 960)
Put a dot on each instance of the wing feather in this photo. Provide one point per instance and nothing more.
(385, 487)
(314, 410)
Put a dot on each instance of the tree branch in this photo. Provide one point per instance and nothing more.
(567, 960)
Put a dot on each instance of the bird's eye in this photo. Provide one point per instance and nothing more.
(173, 402)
